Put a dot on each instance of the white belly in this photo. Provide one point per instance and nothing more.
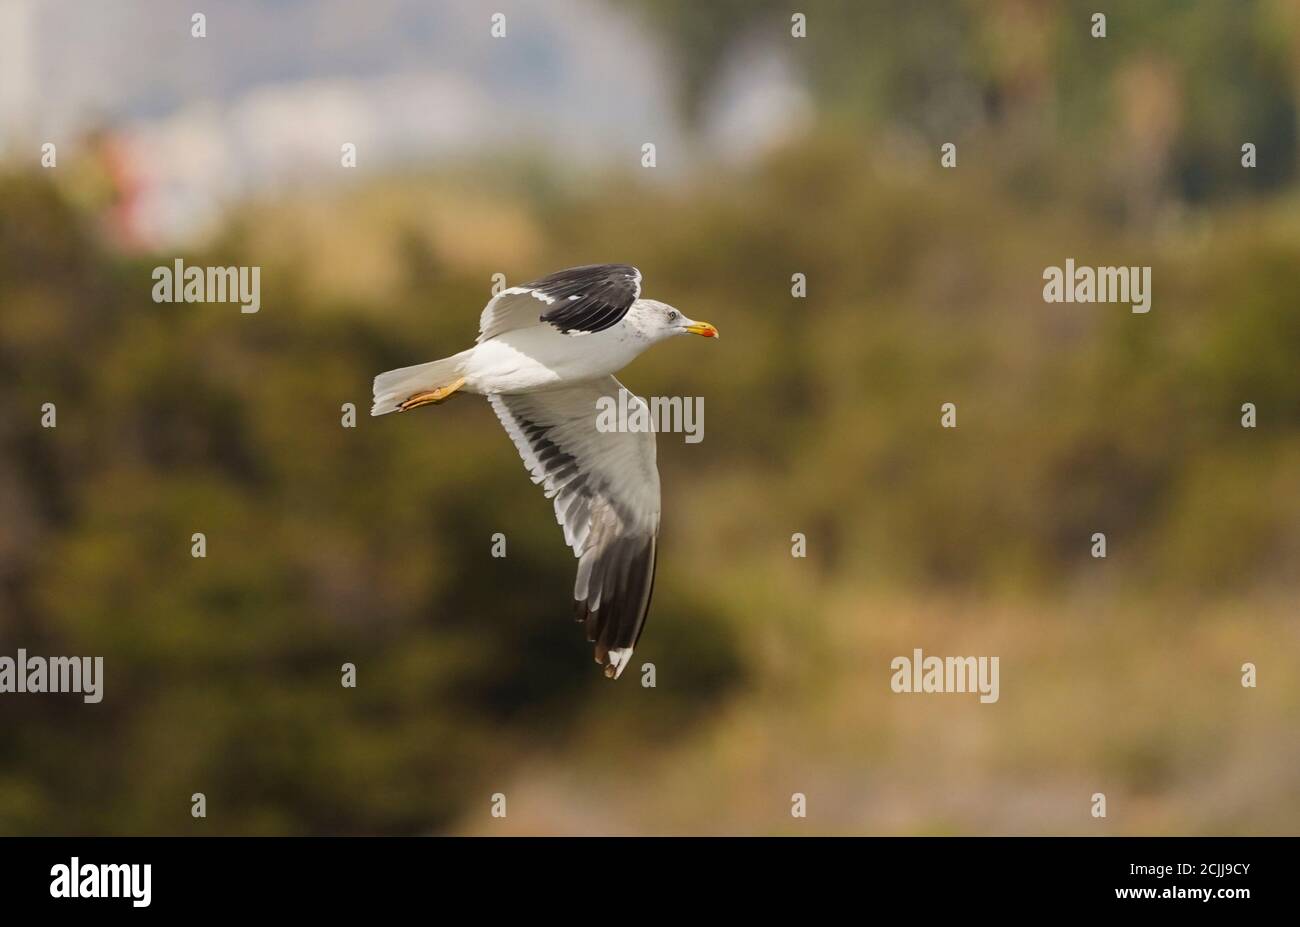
(539, 356)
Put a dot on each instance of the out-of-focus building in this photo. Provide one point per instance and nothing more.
(268, 97)
(18, 97)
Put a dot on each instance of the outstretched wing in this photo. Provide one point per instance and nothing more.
(606, 491)
(576, 301)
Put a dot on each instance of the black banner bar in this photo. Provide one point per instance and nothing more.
(235, 875)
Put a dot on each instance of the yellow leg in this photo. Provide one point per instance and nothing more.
(433, 396)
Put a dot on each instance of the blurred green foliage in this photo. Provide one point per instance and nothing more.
(325, 545)
(1165, 99)
(370, 545)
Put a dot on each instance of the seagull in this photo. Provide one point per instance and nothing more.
(546, 354)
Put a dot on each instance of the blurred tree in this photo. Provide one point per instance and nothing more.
(1179, 86)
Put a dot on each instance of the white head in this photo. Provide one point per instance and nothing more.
(656, 321)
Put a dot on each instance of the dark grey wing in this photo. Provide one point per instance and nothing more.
(587, 299)
(605, 486)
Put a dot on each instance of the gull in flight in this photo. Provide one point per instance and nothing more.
(546, 353)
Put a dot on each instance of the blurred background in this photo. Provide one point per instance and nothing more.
(775, 155)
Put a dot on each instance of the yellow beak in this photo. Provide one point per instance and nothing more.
(702, 328)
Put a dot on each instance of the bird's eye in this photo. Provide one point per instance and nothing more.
(673, 315)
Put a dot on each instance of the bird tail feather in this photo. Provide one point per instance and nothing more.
(394, 387)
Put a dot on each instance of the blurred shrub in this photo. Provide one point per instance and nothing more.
(370, 545)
